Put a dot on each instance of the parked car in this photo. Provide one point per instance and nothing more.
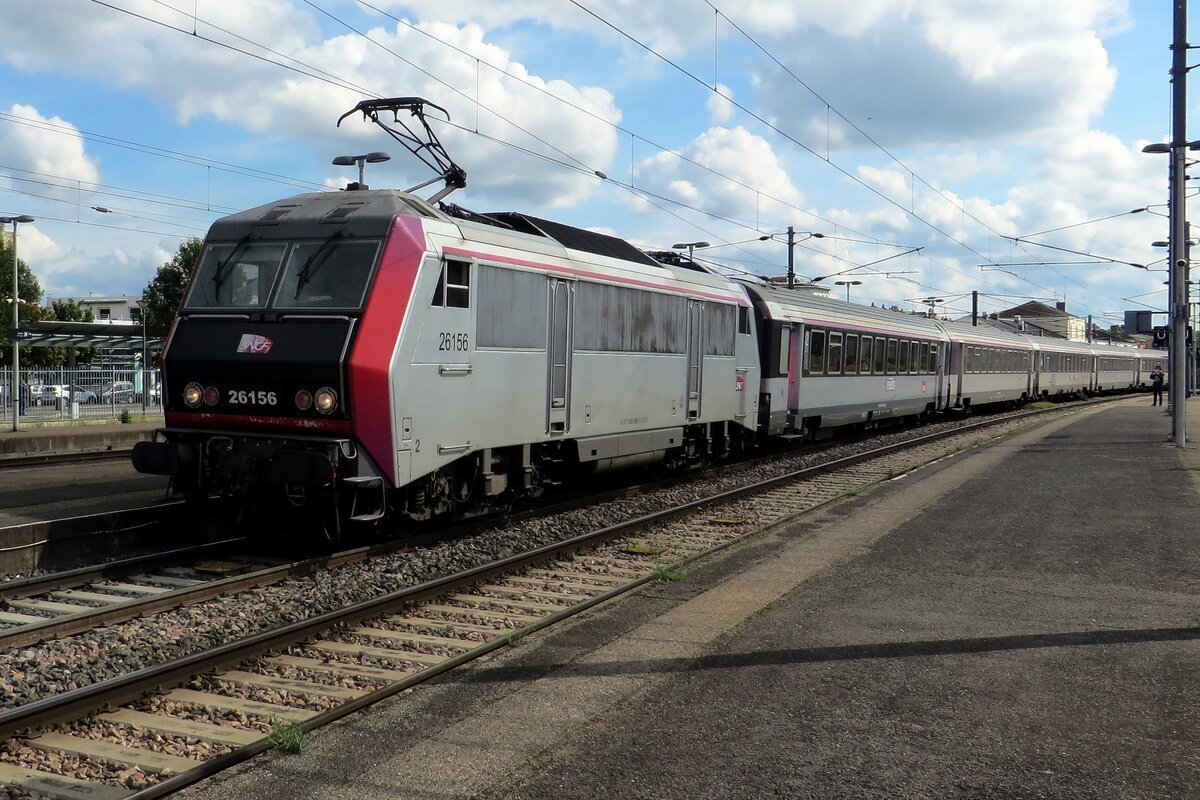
(53, 394)
(119, 392)
(81, 394)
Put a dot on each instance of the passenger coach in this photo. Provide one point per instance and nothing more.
(827, 363)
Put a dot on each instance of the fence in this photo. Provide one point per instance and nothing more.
(63, 394)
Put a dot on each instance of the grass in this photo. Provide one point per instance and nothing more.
(668, 573)
(515, 638)
(854, 490)
(290, 737)
(1041, 405)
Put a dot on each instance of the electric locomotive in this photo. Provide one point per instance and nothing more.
(362, 355)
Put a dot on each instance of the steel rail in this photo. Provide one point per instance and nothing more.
(87, 618)
(39, 584)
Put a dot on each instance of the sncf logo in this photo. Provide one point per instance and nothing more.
(253, 343)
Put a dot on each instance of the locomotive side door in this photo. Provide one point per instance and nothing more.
(558, 358)
(695, 356)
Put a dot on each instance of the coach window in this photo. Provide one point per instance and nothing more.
(851, 353)
(833, 365)
(864, 356)
(816, 352)
(903, 356)
(891, 356)
(933, 354)
(925, 357)
(880, 352)
(743, 319)
(785, 349)
(454, 285)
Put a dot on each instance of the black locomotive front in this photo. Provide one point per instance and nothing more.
(257, 402)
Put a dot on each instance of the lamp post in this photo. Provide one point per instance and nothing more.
(16, 356)
(691, 247)
(1177, 211)
(847, 284)
(362, 161)
(145, 372)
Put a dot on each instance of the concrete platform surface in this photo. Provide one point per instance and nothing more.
(89, 437)
(1017, 621)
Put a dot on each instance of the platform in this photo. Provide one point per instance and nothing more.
(64, 439)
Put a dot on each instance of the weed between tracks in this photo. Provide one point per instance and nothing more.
(290, 737)
(668, 573)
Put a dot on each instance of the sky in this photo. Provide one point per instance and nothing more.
(993, 135)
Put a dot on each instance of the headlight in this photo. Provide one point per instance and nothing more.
(304, 400)
(326, 400)
(192, 395)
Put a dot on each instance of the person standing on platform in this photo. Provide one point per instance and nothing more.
(1156, 384)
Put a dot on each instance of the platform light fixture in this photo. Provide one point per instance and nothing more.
(691, 247)
(366, 158)
(847, 284)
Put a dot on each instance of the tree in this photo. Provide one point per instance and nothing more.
(165, 291)
(29, 290)
(72, 311)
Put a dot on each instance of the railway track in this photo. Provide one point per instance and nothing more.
(129, 737)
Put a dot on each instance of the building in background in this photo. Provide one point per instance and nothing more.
(120, 308)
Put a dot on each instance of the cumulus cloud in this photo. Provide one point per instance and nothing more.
(745, 158)
(720, 105)
(42, 147)
(483, 87)
(944, 72)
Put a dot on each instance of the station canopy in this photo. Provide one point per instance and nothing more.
(104, 335)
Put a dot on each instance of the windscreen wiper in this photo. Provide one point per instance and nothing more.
(314, 262)
(219, 274)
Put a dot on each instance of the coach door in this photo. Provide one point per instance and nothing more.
(558, 351)
(942, 350)
(695, 356)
